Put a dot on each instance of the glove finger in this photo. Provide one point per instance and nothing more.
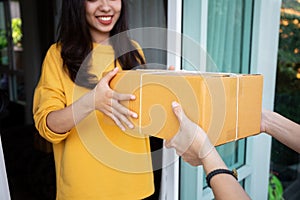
(177, 110)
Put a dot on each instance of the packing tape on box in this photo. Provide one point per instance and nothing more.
(237, 104)
(237, 76)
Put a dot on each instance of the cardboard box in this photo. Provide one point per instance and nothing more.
(226, 106)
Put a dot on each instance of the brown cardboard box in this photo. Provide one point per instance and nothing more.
(226, 106)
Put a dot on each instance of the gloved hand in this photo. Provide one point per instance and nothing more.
(190, 142)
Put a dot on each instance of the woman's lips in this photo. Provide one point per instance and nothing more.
(106, 20)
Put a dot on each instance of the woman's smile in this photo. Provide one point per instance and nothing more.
(105, 20)
(101, 16)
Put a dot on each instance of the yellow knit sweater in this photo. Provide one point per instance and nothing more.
(94, 160)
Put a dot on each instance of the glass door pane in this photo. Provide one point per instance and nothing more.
(229, 34)
(227, 44)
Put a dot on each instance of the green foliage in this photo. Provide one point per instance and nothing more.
(288, 66)
(3, 40)
(275, 188)
(16, 26)
(289, 55)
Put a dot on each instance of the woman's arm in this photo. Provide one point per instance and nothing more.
(101, 98)
(61, 121)
(281, 128)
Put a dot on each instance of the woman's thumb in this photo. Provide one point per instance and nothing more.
(111, 74)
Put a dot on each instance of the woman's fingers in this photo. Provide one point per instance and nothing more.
(115, 103)
(123, 119)
(115, 119)
(122, 97)
(109, 102)
(118, 112)
(119, 119)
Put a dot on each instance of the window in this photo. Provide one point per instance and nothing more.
(11, 69)
(223, 30)
(228, 43)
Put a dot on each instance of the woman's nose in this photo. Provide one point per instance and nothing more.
(104, 5)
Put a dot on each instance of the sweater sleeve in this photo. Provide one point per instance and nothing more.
(49, 94)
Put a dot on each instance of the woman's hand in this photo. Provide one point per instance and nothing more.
(190, 142)
(108, 102)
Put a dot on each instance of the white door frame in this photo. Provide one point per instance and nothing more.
(170, 173)
(263, 61)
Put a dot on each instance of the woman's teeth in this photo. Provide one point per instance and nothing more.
(105, 18)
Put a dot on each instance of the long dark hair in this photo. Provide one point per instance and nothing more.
(76, 42)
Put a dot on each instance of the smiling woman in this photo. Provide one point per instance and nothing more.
(72, 99)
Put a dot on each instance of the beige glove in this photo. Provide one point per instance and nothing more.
(190, 142)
